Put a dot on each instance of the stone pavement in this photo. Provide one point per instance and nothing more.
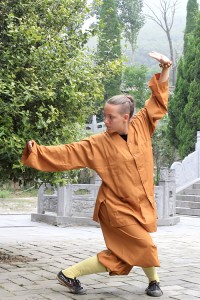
(56, 248)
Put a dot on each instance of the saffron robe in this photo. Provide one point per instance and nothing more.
(126, 168)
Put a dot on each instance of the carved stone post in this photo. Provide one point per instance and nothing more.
(64, 201)
(166, 203)
(41, 199)
(167, 181)
(197, 148)
(46, 201)
(94, 124)
(158, 191)
(98, 180)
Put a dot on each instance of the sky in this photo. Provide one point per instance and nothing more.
(147, 41)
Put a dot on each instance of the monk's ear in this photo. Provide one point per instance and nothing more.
(126, 117)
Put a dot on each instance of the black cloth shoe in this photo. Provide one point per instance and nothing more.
(154, 289)
(73, 285)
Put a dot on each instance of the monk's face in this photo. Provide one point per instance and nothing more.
(114, 120)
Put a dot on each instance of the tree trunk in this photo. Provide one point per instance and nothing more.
(172, 58)
(132, 54)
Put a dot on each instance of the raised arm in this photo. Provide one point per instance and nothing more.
(156, 106)
(165, 64)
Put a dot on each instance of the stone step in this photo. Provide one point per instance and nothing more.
(193, 198)
(196, 186)
(190, 191)
(187, 204)
(188, 211)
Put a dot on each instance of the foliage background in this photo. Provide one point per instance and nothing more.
(184, 108)
(49, 83)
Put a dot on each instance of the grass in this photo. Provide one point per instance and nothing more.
(82, 192)
(16, 193)
(17, 200)
(4, 193)
(24, 194)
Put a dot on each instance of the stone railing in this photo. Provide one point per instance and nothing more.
(74, 204)
(165, 196)
(188, 170)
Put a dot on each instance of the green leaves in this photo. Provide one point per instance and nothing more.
(131, 19)
(49, 84)
(109, 47)
(134, 83)
(164, 153)
(184, 108)
(192, 12)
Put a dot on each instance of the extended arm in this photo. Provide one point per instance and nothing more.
(62, 157)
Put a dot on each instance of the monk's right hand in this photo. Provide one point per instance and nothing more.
(30, 146)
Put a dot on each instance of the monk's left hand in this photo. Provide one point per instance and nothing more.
(30, 145)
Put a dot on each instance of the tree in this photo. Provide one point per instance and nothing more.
(177, 103)
(192, 10)
(189, 122)
(48, 83)
(165, 20)
(109, 48)
(131, 19)
(164, 153)
(134, 83)
(182, 134)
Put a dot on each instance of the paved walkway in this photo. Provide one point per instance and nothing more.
(56, 248)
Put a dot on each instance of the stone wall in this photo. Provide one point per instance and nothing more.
(188, 170)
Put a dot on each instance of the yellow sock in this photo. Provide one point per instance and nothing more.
(151, 273)
(88, 266)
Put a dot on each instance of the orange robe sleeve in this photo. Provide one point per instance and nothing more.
(156, 106)
(61, 157)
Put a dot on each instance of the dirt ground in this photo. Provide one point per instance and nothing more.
(18, 205)
(6, 258)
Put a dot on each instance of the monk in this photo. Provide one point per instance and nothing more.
(125, 205)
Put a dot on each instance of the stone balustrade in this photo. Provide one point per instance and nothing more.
(187, 171)
(73, 204)
(165, 196)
